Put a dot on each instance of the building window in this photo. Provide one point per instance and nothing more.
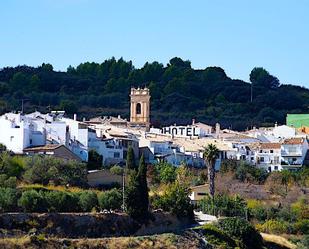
(271, 151)
(276, 167)
(116, 154)
(30, 141)
(261, 159)
(138, 108)
(261, 151)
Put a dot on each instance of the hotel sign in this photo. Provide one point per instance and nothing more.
(182, 131)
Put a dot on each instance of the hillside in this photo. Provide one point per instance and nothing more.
(179, 92)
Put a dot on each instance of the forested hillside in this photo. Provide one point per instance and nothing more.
(179, 92)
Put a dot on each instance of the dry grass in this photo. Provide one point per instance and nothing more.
(18, 241)
(168, 240)
(278, 240)
(53, 188)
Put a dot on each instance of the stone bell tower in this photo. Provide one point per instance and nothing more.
(140, 108)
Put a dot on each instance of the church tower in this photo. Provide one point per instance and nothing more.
(140, 108)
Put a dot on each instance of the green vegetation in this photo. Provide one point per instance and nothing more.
(242, 230)
(110, 200)
(130, 162)
(136, 198)
(224, 205)
(178, 91)
(210, 155)
(95, 160)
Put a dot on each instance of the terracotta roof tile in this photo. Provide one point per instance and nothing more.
(295, 140)
(270, 145)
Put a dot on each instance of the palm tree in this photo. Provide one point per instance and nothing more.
(211, 153)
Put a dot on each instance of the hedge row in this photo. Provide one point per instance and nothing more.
(12, 200)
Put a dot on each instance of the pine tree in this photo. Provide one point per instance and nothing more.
(130, 164)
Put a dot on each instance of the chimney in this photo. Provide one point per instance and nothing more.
(119, 117)
(75, 117)
(193, 121)
(84, 119)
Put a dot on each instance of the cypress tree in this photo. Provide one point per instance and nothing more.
(137, 199)
(130, 163)
(142, 178)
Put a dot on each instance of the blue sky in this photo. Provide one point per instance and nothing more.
(236, 35)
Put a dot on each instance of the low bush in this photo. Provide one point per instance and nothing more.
(87, 200)
(273, 227)
(302, 227)
(175, 200)
(242, 230)
(224, 205)
(8, 199)
(216, 237)
(110, 200)
(116, 170)
(32, 201)
(59, 201)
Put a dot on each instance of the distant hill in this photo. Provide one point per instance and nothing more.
(179, 92)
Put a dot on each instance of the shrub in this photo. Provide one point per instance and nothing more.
(8, 182)
(8, 199)
(49, 169)
(32, 201)
(273, 226)
(242, 230)
(217, 237)
(302, 227)
(116, 170)
(301, 208)
(228, 165)
(110, 200)
(87, 200)
(224, 205)
(175, 200)
(11, 165)
(247, 172)
(59, 201)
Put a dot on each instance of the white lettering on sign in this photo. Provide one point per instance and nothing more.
(182, 131)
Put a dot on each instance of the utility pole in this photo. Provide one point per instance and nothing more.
(123, 189)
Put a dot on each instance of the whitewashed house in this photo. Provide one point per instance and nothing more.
(18, 132)
(268, 156)
(293, 153)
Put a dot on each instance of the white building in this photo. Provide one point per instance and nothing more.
(293, 153)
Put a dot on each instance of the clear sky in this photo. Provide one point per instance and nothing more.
(234, 34)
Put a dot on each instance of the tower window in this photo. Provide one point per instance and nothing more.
(138, 108)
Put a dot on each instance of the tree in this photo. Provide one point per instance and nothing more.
(261, 78)
(142, 178)
(68, 106)
(210, 155)
(132, 196)
(175, 200)
(130, 163)
(95, 160)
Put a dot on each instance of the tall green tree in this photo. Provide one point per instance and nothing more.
(142, 178)
(136, 196)
(211, 154)
(130, 163)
